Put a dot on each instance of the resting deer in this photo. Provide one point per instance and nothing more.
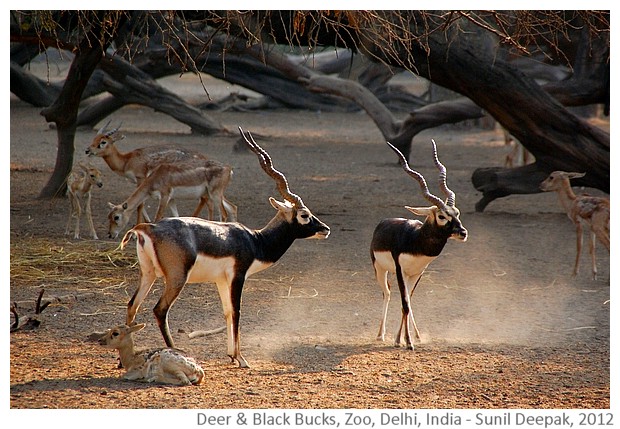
(406, 247)
(204, 180)
(139, 163)
(167, 365)
(79, 184)
(192, 250)
(594, 212)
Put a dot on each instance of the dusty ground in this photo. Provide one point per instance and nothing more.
(504, 324)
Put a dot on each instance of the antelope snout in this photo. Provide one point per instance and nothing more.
(459, 234)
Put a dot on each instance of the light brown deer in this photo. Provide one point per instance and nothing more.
(79, 184)
(137, 164)
(165, 365)
(587, 210)
(204, 180)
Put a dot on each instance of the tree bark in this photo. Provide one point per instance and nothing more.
(30, 89)
(131, 85)
(557, 138)
(64, 113)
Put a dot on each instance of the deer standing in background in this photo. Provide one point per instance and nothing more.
(192, 250)
(406, 247)
(593, 212)
(79, 184)
(204, 180)
(137, 164)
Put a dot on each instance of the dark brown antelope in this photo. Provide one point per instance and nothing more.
(192, 250)
(406, 247)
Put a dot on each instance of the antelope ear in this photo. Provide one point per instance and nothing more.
(422, 211)
(575, 175)
(283, 207)
(136, 328)
(111, 206)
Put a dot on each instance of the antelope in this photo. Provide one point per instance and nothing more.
(79, 184)
(593, 212)
(192, 250)
(137, 164)
(518, 154)
(203, 180)
(406, 247)
(166, 365)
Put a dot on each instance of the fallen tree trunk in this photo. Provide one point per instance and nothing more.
(131, 85)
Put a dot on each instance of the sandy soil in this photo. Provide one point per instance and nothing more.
(504, 323)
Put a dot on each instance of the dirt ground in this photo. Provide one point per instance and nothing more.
(504, 324)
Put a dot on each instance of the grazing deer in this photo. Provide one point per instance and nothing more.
(191, 250)
(204, 180)
(137, 164)
(79, 184)
(167, 365)
(582, 210)
(406, 247)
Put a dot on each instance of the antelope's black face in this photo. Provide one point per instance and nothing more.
(448, 219)
(309, 226)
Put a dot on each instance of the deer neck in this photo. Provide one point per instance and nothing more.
(567, 196)
(116, 160)
(138, 196)
(275, 239)
(129, 357)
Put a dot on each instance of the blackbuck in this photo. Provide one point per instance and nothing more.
(191, 250)
(79, 185)
(405, 247)
(137, 164)
(583, 210)
(163, 365)
(202, 180)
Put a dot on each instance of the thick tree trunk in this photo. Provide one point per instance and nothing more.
(64, 113)
(30, 89)
(131, 85)
(557, 138)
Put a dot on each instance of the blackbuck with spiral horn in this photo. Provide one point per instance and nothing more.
(405, 247)
(192, 250)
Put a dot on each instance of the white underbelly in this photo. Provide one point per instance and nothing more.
(188, 192)
(210, 269)
(411, 265)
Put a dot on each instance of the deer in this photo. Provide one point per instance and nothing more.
(79, 185)
(164, 365)
(204, 180)
(518, 154)
(583, 210)
(139, 163)
(406, 247)
(192, 250)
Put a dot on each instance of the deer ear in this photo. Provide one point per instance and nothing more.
(283, 207)
(138, 327)
(422, 211)
(575, 175)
